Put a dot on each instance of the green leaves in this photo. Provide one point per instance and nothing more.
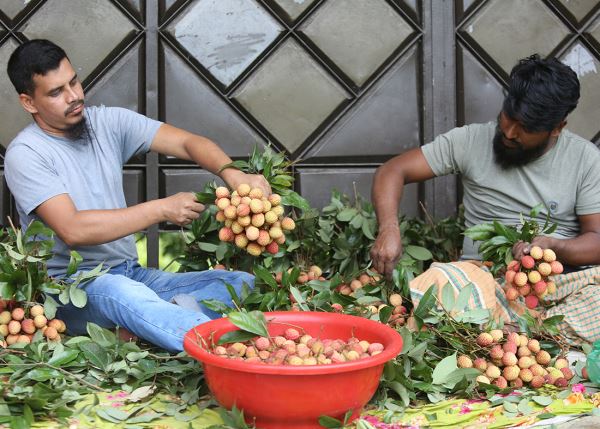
(497, 240)
(253, 322)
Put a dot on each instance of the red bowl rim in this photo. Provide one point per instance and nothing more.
(389, 336)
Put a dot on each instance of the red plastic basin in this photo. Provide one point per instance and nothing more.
(285, 396)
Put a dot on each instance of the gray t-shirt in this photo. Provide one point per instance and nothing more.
(39, 166)
(566, 179)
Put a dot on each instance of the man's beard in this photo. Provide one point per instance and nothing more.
(508, 157)
(77, 131)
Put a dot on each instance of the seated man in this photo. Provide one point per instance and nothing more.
(66, 169)
(507, 166)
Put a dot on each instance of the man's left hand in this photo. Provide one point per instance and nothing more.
(234, 178)
(522, 248)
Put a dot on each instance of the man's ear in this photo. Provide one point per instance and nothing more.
(556, 131)
(27, 103)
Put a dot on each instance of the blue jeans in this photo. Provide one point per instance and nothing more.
(137, 299)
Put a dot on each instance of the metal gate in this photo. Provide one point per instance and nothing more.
(340, 85)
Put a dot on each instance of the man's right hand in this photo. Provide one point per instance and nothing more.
(387, 249)
(182, 208)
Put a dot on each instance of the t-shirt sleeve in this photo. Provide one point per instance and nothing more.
(446, 154)
(136, 131)
(588, 195)
(31, 179)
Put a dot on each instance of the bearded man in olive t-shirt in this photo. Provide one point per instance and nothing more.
(507, 166)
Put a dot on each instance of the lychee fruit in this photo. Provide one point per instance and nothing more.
(533, 345)
(292, 334)
(257, 220)
(561, 363)
(532, 301)
(275, 232)
(496, 352)
(512, 294)
(517, 384)
(557, 267)
(254, 249)
(501, 382)
(497, 334)
(36, 310)
(263, 238)
(525, 362)
(483, 379)
(337, 308)
(395, 299)
(525, 290)
(14, 327)
(549, 255)
(480, 364)
(230, 212)
(542, 357)
(551, 288)
(18, 314)
(272, 248)
(243, 210)
(28, 326)
(509, 276)
(241, 241)
(545, 269)
(511, 373)
(274, 199)
(255, 193)
(514, 338)
(520, 279)
(484, 339)
(536, 252)
(226, 234)
(526, 375)
(567, 373)
(287, 224)
(492, 372)
(510, 347)
(223, 203)
(527, 262)
(464, 362)
(252, 233)
(222, 192)
(540, 288)
(513, 265)
(509, 359)
(537, 381)
(534, 277)
(243, 189)
(256, 206)
(561, 382)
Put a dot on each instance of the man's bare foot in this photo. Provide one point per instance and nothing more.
(126, 336)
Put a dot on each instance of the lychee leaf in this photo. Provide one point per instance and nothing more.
(330, 422)
(443, 370)
(448, 296)
(252, 322)
(544, 401)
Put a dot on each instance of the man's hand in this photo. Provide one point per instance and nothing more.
(522, 248)
(387, 249)
(182, 208)
(234, 178)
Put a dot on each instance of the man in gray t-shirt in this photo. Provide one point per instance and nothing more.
(66, 170)
(524, 158)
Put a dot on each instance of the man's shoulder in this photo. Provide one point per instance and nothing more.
(27, 138)
(575, 142)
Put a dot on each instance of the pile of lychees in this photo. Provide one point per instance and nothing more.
(19, 325)
(529, 277)
(293, 348)
(516, 361)
(251, 220)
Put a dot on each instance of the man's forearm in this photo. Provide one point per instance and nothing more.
(386, 195)
(91, 227)
(581, 250)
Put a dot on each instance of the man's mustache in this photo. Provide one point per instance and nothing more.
(74, 106)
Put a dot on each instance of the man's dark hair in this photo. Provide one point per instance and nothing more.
(541, 93)
(38, 56)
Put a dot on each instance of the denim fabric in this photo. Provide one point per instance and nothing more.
(137, 299)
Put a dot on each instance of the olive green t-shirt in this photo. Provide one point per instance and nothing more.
(566, 179)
